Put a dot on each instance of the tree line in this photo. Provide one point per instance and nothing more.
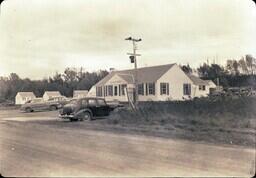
(71, 79)
(235, 73)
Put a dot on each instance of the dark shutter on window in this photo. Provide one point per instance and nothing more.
(167, 88)
(146, 88)
(161, 86)
(189, 89)
(142, 88)
(153, 85)
(119, 90)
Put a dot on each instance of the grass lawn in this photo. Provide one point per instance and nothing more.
(219, 120)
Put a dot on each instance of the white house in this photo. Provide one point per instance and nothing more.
(22, 97)
(51, 94)
(92, 92)
(80, 93)
(156, 83)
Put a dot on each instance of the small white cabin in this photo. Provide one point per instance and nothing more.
(23, 97)
(51, 94)
(80, 93)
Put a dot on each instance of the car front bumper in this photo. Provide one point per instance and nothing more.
(65, 116)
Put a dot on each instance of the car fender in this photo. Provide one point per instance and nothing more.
(83, 110)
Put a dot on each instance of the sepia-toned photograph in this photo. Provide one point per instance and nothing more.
(127, 88)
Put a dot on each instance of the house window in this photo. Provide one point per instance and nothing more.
(187, 89)
(164, 88)
(141, 89)
(106, 90)
(202, 87)
(115, 90)
(123, 88)
(150, 88)
(110, 90)
(98, 91)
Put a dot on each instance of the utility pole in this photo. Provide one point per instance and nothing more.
(133, 57)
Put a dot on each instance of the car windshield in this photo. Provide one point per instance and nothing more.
(73, 101)
(92, 102)
(36, 101)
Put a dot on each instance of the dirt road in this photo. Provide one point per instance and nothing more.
(31, 145)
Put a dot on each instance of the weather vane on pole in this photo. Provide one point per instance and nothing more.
(133, 58)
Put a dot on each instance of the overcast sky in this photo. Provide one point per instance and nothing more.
(40, 37)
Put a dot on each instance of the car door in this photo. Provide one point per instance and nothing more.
(36, 104)
(92, 105)
(103, 108)
(43, 105)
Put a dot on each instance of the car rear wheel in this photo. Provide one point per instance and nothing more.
(29, 110)
(86, 116)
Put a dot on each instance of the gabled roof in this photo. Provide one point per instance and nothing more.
(145, 74)
(52, 93)
(128, 78)
(210, 82)
(26, 94)
(197, 80)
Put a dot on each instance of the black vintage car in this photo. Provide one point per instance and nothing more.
(86, 109)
